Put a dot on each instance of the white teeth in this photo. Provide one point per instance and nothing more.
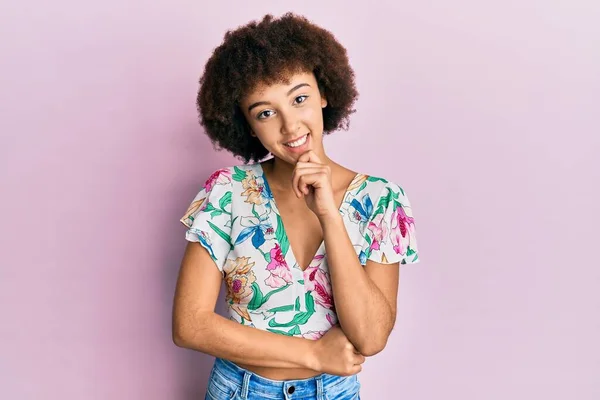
(298, 142)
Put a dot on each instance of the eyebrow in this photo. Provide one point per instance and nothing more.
(260, 103)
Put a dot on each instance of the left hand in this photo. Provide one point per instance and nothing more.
(311, 179)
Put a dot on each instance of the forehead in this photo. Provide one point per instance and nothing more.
(276, 87)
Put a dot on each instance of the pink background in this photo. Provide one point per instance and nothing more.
(487, 113)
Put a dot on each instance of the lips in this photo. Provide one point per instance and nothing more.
(293, 140)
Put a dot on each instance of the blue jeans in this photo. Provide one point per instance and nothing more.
(229, 381)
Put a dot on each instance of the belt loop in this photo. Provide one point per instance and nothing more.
(245, 385)
(320, 394)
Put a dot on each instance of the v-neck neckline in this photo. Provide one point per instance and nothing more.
(290, 257)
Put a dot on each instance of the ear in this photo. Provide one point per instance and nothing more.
(323, 102)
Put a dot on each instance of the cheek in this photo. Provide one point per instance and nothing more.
(311, 117)
(267, 134)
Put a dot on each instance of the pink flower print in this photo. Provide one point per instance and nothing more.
(379, 230)
(402, 227)
(220, 177)
(313, 335)
(317, 281)
(331, 318)
(280, 274)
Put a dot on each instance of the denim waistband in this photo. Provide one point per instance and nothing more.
(248, 381)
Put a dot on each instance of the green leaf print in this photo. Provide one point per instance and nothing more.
(299, 319)
(282, 237)
(215, 213)
(225, 200)
(257, 297)
(278, 331)
(374, 179)
(254, 211)
(295, 331)
(301, 281)
(215, 228)
(209, 208)
(297, 305)
(310, 302)
(368, 238)
(409, 251)
(289, 307)
(384, 201)
(239, 175)
(272, 292)
(364, 185)
(377, 212)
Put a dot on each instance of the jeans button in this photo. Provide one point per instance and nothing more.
(291, 390)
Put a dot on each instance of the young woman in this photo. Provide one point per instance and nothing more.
(309, 250)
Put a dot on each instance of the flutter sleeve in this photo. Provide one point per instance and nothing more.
(390, 235)
(208, 218)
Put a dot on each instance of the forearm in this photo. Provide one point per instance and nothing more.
(363, 311)
(220, 337)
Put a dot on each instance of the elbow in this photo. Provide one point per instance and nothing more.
(371, 343)
(371, 347)
(178, 336)
(367, 340)
(181, 332)
(187, 332)
(178, 340)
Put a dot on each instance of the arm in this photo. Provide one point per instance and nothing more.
(197, 326)
(365, 298)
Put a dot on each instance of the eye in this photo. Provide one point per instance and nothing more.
(259, 116)
(302, 96)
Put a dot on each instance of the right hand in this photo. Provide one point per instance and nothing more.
(336, 355)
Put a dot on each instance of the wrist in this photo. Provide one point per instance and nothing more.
(330, 219)
(311, 353)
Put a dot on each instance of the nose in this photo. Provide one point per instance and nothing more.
(290, 124)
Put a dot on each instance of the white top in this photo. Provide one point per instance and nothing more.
(234, 216)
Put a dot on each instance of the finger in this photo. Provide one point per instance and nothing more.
(359, 359)
(315, 180)
(305, 181)
(313, 166)
(309, 156)
(304, 164)
(304, 157)
(355, 369)
(298, 173)
(300, 186)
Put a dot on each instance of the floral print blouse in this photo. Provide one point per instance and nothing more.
(234, 216)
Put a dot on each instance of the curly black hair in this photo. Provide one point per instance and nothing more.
(267, 52)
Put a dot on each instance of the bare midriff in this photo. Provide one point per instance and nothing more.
(280, 374)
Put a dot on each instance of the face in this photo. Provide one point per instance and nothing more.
(287, 118)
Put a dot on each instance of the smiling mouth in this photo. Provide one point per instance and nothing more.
(297, 142)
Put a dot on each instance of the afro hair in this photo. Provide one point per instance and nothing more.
(267, 52)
